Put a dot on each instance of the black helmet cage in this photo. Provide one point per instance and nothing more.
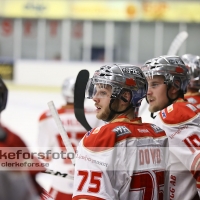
(172, 68)
(193, 63)
(121, 77)
(3, 95)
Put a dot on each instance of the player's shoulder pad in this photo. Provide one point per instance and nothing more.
(100, 138)
(156, 130)
(45, 115)
(178, 112)
(63, 110)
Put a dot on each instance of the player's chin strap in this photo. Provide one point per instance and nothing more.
(114, 112)
(152, 114)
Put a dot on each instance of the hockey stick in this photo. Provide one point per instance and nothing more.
(177, 42)
(62, 131)
(79, 97)
(173, 49)
(59, 174)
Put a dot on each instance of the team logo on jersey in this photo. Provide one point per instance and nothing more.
(163, 114)
(88, 133)
(170, 108)
(192, 100)
(156, 128)
(143, 130)
(191, 107)
(178, 131)
(121, 130)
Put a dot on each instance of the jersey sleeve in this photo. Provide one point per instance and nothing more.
(46, 131)
(90, 180)
(194, 99)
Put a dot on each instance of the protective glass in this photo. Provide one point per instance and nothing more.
(98, 89)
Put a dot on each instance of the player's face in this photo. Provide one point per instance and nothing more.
(157, 94)
(102, 101)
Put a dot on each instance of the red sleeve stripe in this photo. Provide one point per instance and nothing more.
(195, 168)
(44, 116)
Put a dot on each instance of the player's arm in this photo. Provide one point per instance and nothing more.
(183, 132)
(88, 177)
(46, 139)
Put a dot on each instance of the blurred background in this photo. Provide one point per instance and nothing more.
(42, 42)
(95, 30)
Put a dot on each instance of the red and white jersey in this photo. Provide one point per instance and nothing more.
(23, 175)
(193, 98)
(121, 160)
(181, 123)
(49, 138)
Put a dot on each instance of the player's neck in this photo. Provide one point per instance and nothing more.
(130, 114)
(192, 92)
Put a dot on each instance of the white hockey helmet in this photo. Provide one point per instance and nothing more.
(120, 77)
(172, 68)
(68, 89)
(193, 63)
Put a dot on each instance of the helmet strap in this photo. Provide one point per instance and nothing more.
(123, 99)
(114, 112)
(153, 116)
(170, 99)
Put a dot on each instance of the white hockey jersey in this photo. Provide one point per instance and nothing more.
(49, 139)
(121, 160)
(181, 122)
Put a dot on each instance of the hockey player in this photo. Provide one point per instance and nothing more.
(193, 63)
(168, 78)
(124, 158)
(16, 182)
(49, 139)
